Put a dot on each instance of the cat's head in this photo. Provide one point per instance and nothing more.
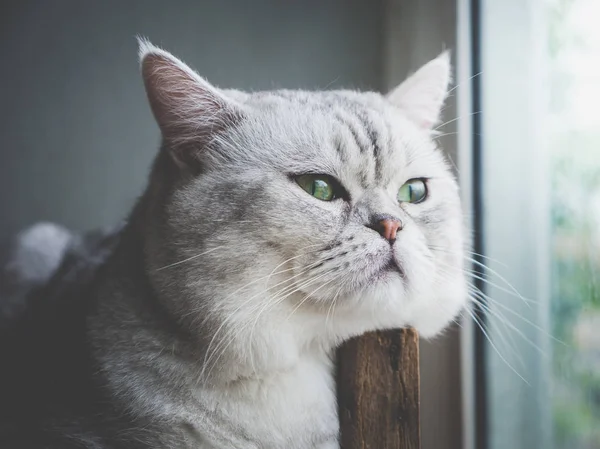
(337, 207)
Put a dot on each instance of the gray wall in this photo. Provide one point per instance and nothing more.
(76, 134)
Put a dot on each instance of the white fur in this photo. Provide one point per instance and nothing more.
(39, 252)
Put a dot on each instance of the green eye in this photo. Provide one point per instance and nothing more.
(319, 186)
(413, 191)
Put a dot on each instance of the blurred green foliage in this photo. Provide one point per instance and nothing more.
(575, 192)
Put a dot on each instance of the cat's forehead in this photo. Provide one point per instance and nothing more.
(354, 135)
(288, 98)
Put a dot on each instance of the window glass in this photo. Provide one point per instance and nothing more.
(540, 209)
(574, 145)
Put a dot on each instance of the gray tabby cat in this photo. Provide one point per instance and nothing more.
(275, 226)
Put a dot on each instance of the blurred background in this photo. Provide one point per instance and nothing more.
(522, 128)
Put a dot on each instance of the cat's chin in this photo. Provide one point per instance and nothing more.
(389, 302)
(390, 275)
(385, 292)
(382, 288)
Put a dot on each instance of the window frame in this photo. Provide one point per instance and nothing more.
(501, 141)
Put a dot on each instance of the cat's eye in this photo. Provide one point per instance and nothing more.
(413, 191)
(322, 187)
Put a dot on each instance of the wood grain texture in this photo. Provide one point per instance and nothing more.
(378, 391)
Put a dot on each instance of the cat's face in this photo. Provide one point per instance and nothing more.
(335, 204)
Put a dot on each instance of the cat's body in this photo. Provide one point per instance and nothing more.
(55, 394)
(209, 321)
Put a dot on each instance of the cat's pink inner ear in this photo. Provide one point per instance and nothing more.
(422, 95)
(186, 107)
(169, 89)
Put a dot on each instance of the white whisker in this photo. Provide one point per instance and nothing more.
(190, 258)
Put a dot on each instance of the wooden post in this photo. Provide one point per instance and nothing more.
(378, 391)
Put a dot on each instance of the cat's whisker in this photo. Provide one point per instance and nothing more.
(495, 273)
(502, 319)
(233, 314)
(279, 300)
(331, 309)
(506, 330)
(526, 301)
(331, 83)
(190, 258)
(255, 281)
(263, 292)
(274, 301)
(522, 318)
(422, 157)
(464, 81)
(489, 339)
(477, 275)
(308, 297)
(474, 290)
(468, 251)
(491, 259)
(271, 304)
(457, 118)
(289, 260)
(437, 136)
(229, 220)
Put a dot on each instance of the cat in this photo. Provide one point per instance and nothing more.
(275, 225)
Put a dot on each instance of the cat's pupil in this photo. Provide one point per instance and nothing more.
(320, 189)
(319, 186)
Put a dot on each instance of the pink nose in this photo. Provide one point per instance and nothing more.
(388, 228)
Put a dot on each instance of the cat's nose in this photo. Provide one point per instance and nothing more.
(387, 226)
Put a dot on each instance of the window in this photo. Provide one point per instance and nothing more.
(539, 192)
(574, 150)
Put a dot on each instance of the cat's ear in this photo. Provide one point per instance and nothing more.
(188, 109)
(422, 95)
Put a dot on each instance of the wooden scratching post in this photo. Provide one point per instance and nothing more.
(378, 391)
